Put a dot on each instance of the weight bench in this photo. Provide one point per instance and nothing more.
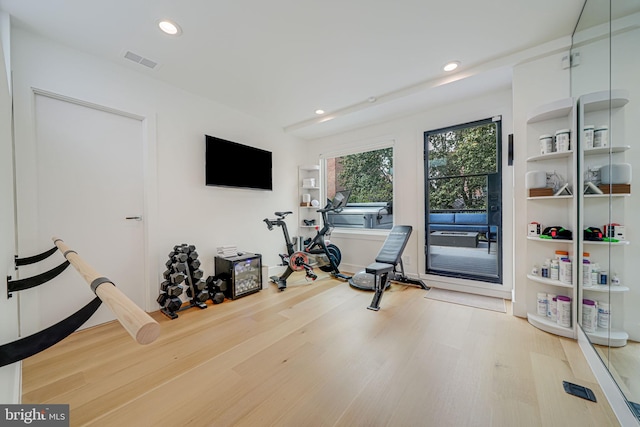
(384, 267)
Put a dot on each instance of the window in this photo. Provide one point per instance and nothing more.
(463, 201)
(369, 177)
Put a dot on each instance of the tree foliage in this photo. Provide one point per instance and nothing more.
(368, 175)
(455, 156)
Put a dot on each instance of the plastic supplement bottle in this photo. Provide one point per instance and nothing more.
(552, 306)
(588, 136)
(542, 304)
(601, 136)
(565, 271)
(589, 315)
(562, 140)
(586, 273)
(604, 315)
(554, 270)
(564, 311)
(546, 144)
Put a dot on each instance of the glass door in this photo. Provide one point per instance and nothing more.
(463, 201)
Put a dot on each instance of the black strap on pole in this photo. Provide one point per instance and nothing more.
(36, 258)
(30, 282)
(25, 347)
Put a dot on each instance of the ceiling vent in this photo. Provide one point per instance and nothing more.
(140, 60)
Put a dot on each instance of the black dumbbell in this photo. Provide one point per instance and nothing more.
(214, 284)
(195, 264)
(169, 263)
(199, 284)
(173, 304)
(197, 274)
(177, 278)
(202, 296)
(193, 255)
(180, 257)
(174, 290)
(217, 298)
(162, 298)
(180, 267)
(164, 285)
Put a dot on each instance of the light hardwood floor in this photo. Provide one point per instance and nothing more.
(623, 363)
(313, 355)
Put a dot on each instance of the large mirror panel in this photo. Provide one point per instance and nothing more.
(605, 79)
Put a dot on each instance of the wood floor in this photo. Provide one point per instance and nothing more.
(623, 364)
(313, 355)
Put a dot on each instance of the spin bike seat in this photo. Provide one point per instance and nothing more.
(282, 214)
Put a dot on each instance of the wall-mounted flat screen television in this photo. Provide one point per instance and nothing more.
(229, 164)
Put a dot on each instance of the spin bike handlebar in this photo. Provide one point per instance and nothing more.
(330, 209)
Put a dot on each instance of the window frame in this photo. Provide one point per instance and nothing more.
(324, 157)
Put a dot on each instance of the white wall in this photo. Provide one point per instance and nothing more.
(10, 374)
(359, 249)
(181, 207)
(535, 83)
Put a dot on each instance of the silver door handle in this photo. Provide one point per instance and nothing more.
(137, 218)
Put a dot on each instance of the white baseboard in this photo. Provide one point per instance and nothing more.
(469, 286)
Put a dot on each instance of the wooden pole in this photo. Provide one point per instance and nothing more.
(138, 323)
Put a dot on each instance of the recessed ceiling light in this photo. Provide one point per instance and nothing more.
(169, 27)
(451, 66)
(319, 112)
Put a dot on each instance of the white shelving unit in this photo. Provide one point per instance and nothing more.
(595, 209)
(551, 211)
(547, 281)
(308, 212)
(550, 156)
(551, 197)
(551, 241)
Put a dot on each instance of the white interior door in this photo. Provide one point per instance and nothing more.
(89, 180)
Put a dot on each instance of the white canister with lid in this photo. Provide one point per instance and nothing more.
(562, 140)
(565, 270)
(588, 136)
(601, 136)
(546, 144)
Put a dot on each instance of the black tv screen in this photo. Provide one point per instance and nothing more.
(229, 164)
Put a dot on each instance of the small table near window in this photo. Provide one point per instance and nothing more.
(462, 239)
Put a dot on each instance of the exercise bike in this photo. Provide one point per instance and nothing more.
(317, 251)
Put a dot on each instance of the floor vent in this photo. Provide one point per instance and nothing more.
(140, 60)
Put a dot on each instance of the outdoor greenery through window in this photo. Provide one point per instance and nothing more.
(369, 176)
(459, 160)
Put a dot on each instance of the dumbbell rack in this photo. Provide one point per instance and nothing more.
(183, 266)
